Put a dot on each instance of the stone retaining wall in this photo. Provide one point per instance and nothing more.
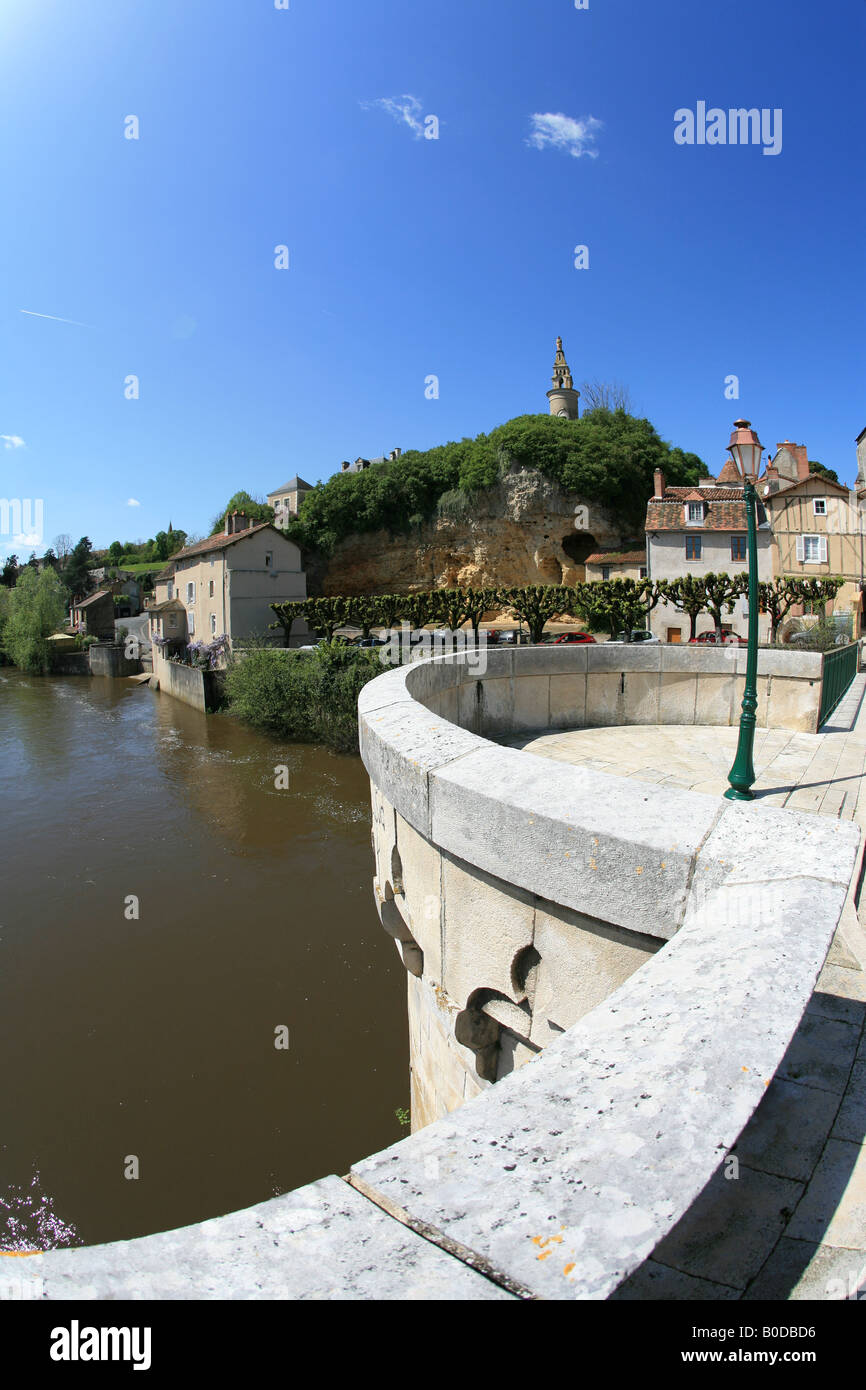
(190, 684)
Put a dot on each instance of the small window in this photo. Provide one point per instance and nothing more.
(738, 547)
(693, 547)
(170, 589)
(172, 620)
(269, 559)
(819, 505)
(695, 511)
(605, 571)
(210, 589)
(190, 592)
(643, 571)
(213, 624)
(191, 622)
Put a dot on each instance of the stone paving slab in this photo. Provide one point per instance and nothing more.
(788, 1131)
(662, 1284)
(802, 1270)
(821, 1054)
(731, 1229)
(851, 1119)
(833, 1210)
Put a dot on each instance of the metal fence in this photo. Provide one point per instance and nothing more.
(838, 671)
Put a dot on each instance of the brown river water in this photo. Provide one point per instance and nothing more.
(154, 1038)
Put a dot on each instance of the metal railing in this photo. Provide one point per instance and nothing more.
(837, 672)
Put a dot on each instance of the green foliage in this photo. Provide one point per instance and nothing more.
(404, 1119)
(613, 605)
(10, 572)
(686, 594)
(721, 592)
(778, 596)
(242, 502)
(607, 457)
(34, 609)
(822, 472)
(115, 550)
(536, 604)
(309, 697)
(76, 572)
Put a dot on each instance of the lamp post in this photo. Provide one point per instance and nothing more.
(745, 449)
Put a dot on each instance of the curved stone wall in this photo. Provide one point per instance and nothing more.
(684, 933)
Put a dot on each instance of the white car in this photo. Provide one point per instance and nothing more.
(639, 635)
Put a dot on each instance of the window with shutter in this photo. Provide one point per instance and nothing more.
(800, 548)
(823, 548)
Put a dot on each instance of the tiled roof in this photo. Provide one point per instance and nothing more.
(617, 557)
(166, 603)
(729, 476)
(100, 593)
(726, 511)
(221, 541)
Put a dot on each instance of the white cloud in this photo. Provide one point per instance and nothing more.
(12, 441)
(131, 502)
(405, 110)
(576, 137)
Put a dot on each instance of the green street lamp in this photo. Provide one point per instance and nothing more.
(745, 449)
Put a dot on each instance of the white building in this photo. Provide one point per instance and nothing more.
(702, 530)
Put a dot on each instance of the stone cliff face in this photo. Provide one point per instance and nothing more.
(525, 530)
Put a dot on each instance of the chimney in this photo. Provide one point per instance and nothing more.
(658, 483)
(242, 521)
(227, 529)
(395, 454)
(801, 455)
(345, 465)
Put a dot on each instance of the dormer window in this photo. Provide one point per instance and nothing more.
(695, 513)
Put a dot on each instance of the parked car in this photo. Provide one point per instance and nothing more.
(507, 637)
(638, 634)
(368, 642)
(727, 639)
(574, 637)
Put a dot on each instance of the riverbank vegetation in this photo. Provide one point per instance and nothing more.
(307, 697)
(29, 614)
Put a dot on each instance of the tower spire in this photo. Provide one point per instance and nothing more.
(562, 397)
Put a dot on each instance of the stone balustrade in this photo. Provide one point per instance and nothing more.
(626, 962)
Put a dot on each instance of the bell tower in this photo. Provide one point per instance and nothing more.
(563, 397)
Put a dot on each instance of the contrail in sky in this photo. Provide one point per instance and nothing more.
(34, 315)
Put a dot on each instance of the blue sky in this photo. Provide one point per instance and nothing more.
(408, 257)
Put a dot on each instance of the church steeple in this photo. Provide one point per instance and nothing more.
(562, 397)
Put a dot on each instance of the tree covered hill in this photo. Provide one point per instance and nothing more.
(607, 457)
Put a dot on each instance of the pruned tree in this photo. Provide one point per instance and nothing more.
(612, 605)
(778, 596)
(688, 595)
(722, 591)
(535, 605)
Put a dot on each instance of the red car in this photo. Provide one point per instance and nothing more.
(574, 637)
(727, 639)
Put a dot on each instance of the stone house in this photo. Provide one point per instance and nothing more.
(286, 500)
(816, 528)
(613, 563)
(225, 585)
(701, 530)
(94, 616)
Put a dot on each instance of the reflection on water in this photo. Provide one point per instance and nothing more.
(153, 1037)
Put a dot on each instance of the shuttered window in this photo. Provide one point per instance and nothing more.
(812, 550)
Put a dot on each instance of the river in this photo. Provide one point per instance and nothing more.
(147, 1045)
